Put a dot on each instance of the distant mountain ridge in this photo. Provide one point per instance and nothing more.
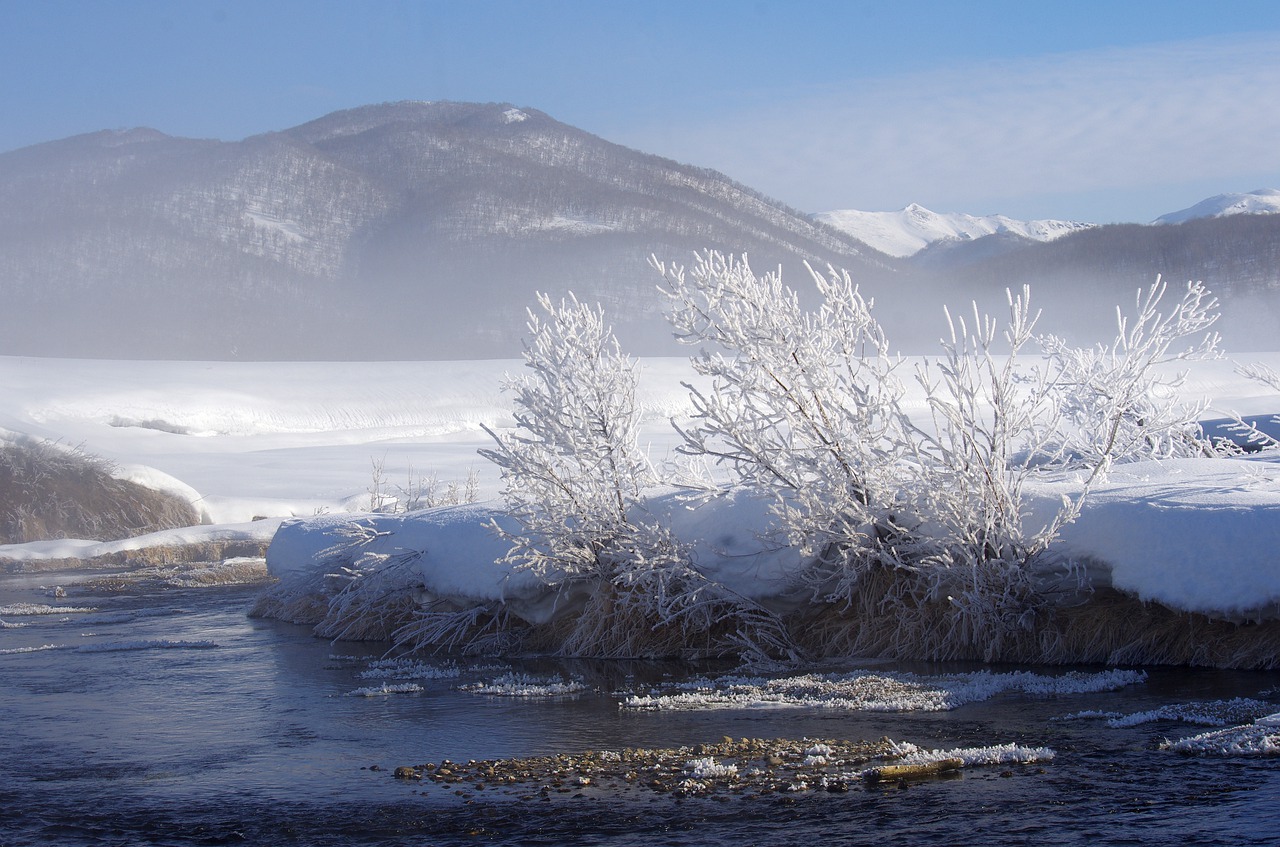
(1264, 201)
(422, 230)
(399, 231)
(908, 231)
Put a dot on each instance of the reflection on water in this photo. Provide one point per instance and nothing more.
(201, 726)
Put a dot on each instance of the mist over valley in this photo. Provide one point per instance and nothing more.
(420, 230)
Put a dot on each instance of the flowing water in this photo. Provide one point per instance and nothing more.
(169, 717)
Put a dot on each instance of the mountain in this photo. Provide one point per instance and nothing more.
(1080, 278)
(1264, 201)
(1080, 272)
(414, 230)
(408, 230)
(910, 230)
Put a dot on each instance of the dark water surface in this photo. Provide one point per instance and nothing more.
(169, 717)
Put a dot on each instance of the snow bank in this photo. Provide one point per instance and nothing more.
(158, 480)
(260, 532)
(732, 541)
(459, 554)
(1197, 535)
(291, 439)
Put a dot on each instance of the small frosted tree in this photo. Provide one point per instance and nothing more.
(999, 420)
(574, 476)
(1119, 401)
(993, 426)
(922, 523)
(572, 468)
(807, 404)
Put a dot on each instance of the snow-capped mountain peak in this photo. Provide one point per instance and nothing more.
(1264, 201)
(910, 230)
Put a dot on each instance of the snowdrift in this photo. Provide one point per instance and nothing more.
(1195, 535)
(1187, 541)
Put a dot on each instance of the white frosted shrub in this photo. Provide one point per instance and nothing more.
(990, 415)
(1119, 401)
(809, 403)
(574, 475)
(572, 469)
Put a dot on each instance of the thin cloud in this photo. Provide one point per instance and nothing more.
(1122, 118)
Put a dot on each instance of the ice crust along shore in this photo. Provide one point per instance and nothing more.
(291, 440)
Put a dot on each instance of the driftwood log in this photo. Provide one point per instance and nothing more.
(896, 772)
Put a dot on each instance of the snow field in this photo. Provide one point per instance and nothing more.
(245, 440)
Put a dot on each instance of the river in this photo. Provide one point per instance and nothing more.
(167, 716)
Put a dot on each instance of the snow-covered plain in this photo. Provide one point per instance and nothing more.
(282, 440)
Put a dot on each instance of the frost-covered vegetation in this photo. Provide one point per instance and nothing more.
(1260, 738)
(51, 491)
(871, 692)
(882, 525)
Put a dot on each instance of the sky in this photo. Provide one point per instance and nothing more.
(1090, 111)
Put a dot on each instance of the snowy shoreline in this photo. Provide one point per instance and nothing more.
(298, 440)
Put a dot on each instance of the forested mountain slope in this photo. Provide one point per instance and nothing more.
(396, 231)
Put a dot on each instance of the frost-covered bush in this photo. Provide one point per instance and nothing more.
(811, 404)
(993, 425)
(1252, 435)
(574, 476)
(922, 523)
(1118, 401)
(572, 469)
(807, 403)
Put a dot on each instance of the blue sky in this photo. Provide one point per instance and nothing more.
(1099, 111)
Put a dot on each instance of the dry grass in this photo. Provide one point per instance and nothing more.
(304, 608)
(1108, 628)
(890, 614)
(47, 491)
(897, 614)
(376, 620)
(157, 556)
(1118, 629)
(445, 628)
